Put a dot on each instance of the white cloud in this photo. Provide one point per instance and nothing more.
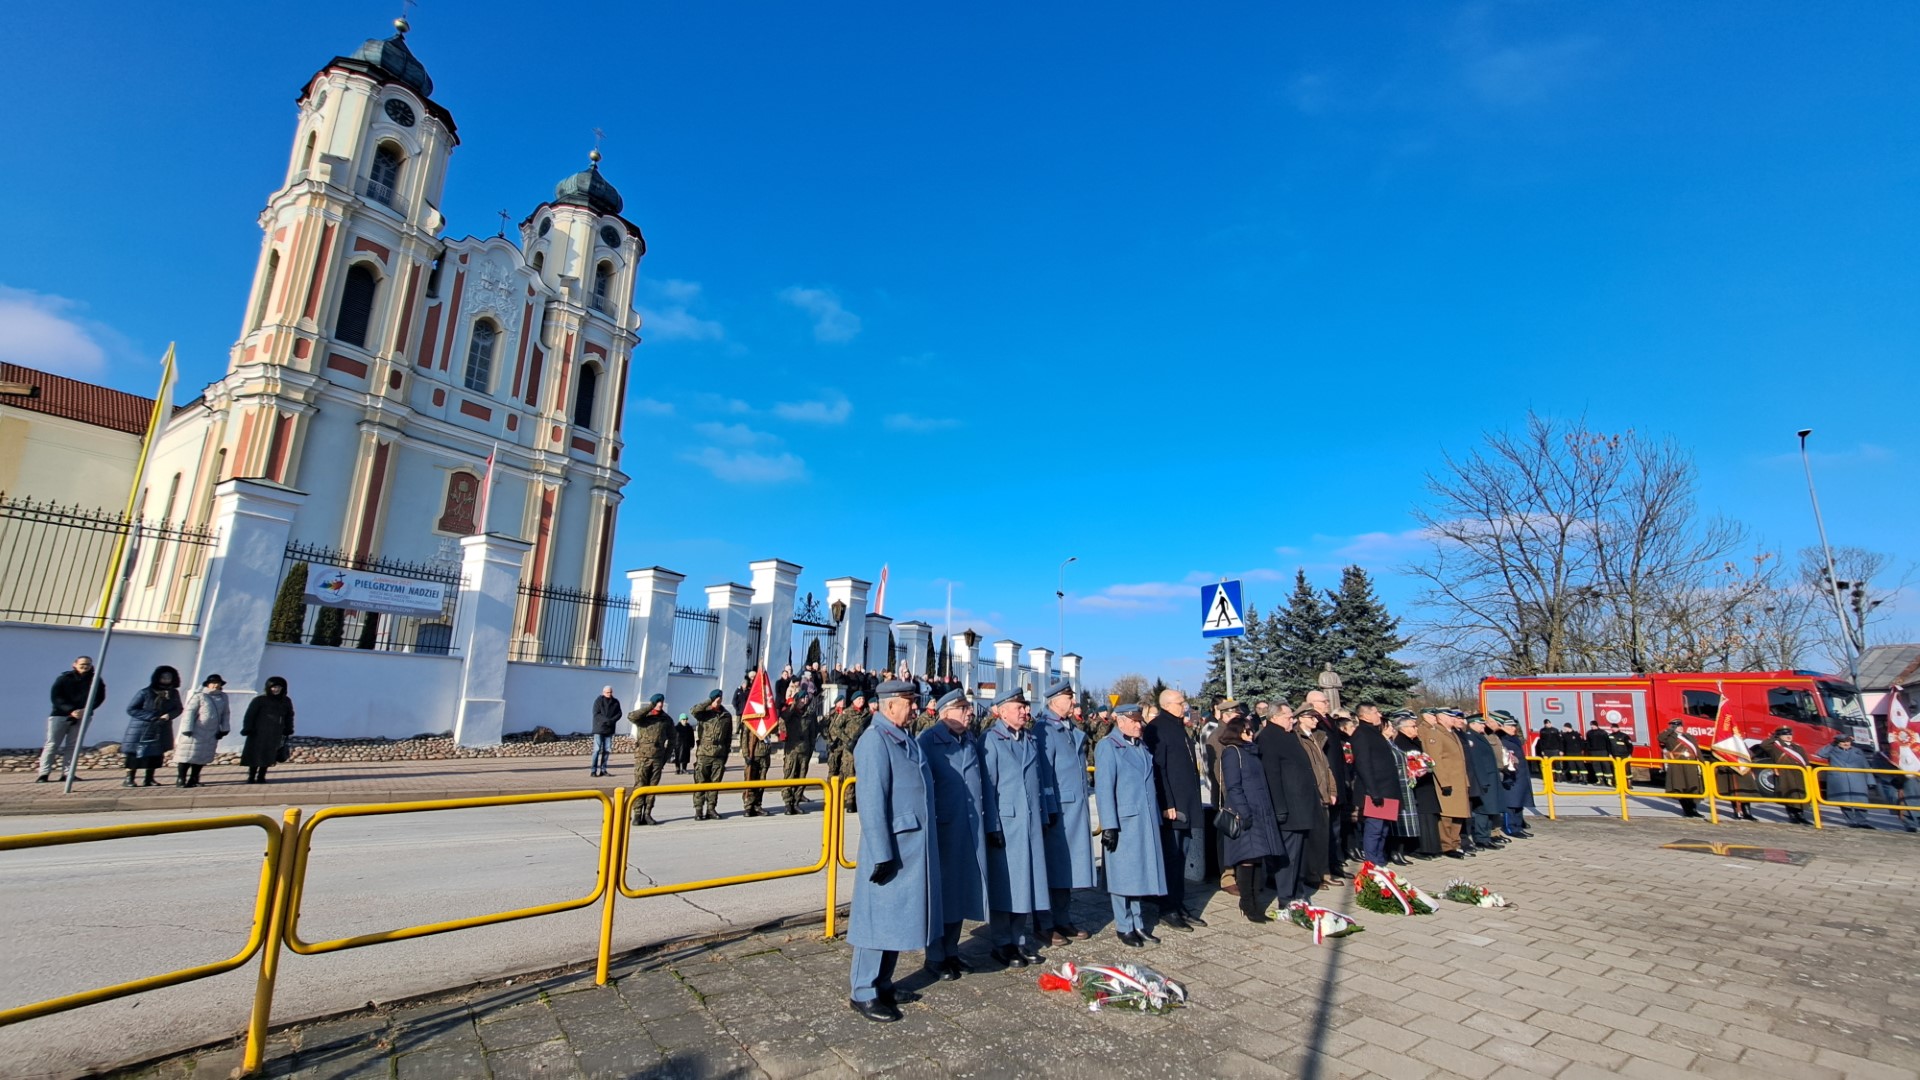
(748, 467)
(832, 408)
(919, 424)
(717, 403)
(1380, 547)
(647, 406)
(41, 331)
(832, 322)
(666, 313)
(732, 434)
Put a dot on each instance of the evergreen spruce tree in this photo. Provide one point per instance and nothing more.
(893, 654)
(1252, 673)
(1214, 686)
(1364, 640)
(369, 630)
(289, 606)
(330, 627)
(1300, 642)
(929, 670)
(945, 659)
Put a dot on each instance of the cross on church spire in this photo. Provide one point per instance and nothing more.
(503, 224)
(598, 137)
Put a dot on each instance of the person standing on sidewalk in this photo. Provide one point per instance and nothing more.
(267, 727)
(63, 722)
(1177, 786)
(202, 726)
(715, 743)
(1070, 841)
(150, 724)
(606, 716)
(1021, 802)
(1676, 745)
(652, 742)
(952, 751)
(682, 744)
(896, 907)
(1129, 823)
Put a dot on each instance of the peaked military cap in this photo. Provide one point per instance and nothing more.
(1012, 696)
(1058, 687)
(1402, 714)
(1503, 716)
(1127, 710)
(951, 697)
(896, 688)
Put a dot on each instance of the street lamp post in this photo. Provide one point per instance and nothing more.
(1833, 579)
(1060, 594)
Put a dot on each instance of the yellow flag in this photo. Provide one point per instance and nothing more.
(162, 408)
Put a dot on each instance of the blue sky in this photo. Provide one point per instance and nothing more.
(973, 288)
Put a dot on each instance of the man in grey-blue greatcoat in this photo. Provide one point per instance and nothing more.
(1070, 840)
(1020, 801)
(896, 902)
(960, 806)
(1129, 823)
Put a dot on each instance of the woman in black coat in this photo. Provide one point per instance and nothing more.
(1426, 798)
(150, 717)
(268, 725)
(1243, 785)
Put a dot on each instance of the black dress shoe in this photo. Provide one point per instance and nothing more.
(1176, 920)
(949, 970)
(1146, 935)
(42, 778)
(1071, 931)
(1010, 956)
(877, 1011)
(1030, 956)
(1456, 854)
(1132, 940)
(1193, 920)
(895, 997)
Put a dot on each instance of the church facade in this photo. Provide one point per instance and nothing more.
(389, 370)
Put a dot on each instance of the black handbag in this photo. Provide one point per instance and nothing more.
(1227, 824)
(283, 754)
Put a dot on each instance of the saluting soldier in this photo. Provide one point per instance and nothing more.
(1020, 795)
(652, 745)
(952, 751)
(796, 733)
(1070, 840)
(851, 725)
(896, 907)
(1129, 823)
(1677, 745)
(713, 745)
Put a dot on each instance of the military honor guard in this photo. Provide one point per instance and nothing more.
(896, 907)
(1070, 840)
(652, 743)
(952, 750)
(1123, 788)
(1020, 799)
(797, 731)
(714, 742)
(1688, 779)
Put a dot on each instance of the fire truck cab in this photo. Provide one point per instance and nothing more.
(1815, 706)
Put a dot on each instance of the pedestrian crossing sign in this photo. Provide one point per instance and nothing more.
(1220, 610)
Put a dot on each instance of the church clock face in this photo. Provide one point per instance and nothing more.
(400, 112)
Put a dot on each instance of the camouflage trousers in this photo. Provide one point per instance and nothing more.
(756, 770)
(646, 773)
(707, 770)
(798, 761)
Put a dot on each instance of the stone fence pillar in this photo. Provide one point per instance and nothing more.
(656, 592)
(253, 519)
(850, 637)
(775, 581)
(733, 604)
(490, 564)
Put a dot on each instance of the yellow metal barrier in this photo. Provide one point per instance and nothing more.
(841, 845)
(1618, 790)
(297, 886)
(257, 934)
(1714, 768)
(1900, 808)
(819, 864)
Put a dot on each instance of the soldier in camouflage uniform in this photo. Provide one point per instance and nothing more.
(713, 743)
(756, 754)
(847, 730)
(797, 734)
(652, 746)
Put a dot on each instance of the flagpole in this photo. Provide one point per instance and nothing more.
(486, 487)
(155, 417)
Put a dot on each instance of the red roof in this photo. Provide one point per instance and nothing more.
(57, 395)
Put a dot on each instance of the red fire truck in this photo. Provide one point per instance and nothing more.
(1817, 707)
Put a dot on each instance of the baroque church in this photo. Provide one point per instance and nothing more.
(389, 370)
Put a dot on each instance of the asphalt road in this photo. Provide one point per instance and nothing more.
(91, 915)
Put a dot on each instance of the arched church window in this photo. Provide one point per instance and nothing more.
(602, 285)
(266, 290)
(356, 306)
(433, 277)
(539, 259)
(463, 496)
(383, 183)
(584, 393)
(480, 356)
(306, 158)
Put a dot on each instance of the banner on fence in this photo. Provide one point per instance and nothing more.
(362, 590)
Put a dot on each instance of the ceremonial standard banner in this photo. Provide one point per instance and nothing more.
(365, 591)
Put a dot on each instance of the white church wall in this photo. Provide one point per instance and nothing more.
(326, 475)
(685, 691)
(415, 501)
(365, 693)
(571, 529)
(31, 656)
(561, 697)
(54, 459)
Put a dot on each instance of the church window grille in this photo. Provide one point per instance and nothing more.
(383, 182)
(266, 289)
(584, 393)
(356, 306)
(480, 356)
(602, 285)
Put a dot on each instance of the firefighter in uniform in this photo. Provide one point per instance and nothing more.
(713, 743)
(652, 745)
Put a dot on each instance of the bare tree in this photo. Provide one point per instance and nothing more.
(1560, 548)
(1131, 687)
(1862, 597)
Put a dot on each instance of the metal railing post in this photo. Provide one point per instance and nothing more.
(1620, 775)
(262, 1014)
(616, 865)
(833, 852)
(1546, 778)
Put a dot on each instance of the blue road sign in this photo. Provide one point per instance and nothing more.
(1220, 610)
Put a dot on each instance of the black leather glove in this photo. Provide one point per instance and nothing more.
(1109, 838)
(996, 840)
(1052, 820)
(884, 872)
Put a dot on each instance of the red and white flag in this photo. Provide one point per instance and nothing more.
(486, 491)
(760, 713)
(880, 598)
(1726, 734)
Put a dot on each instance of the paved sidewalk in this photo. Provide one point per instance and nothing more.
(325, 784)
(1619, 958)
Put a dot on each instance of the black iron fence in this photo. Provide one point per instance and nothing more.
(696, 642)
(328, 597)
(56, 562)
(573, 628)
